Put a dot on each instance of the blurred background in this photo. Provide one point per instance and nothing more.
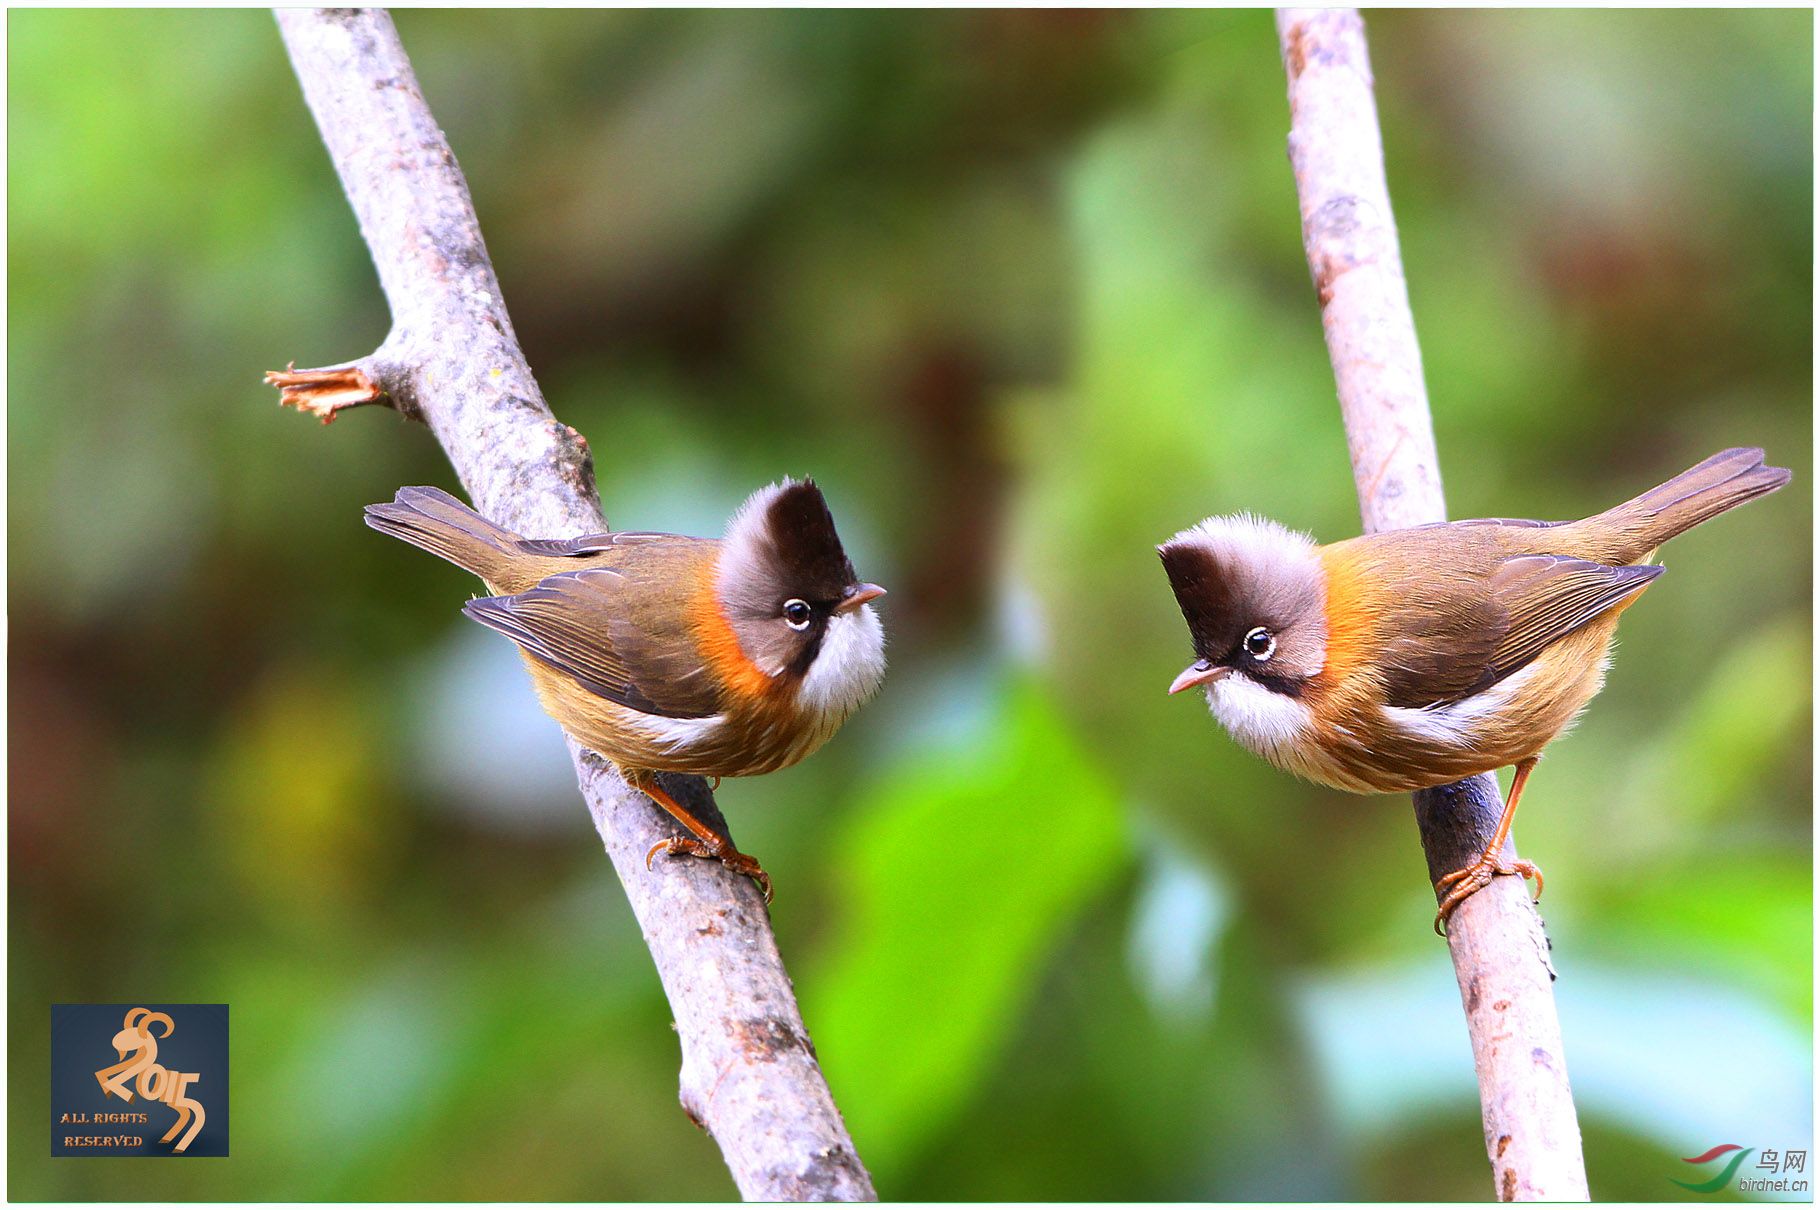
(1025, 292)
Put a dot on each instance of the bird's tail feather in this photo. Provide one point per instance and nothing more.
(1700, 493)
(430, 518)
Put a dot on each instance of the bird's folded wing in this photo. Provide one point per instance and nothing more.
(584, 624)
(1548, 597)
(591, 544)
(1462, 642)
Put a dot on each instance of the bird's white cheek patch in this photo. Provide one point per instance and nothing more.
(1263, 721)
(848, 668)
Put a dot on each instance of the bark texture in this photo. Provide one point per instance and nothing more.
(1500, 951)
(749, 1072)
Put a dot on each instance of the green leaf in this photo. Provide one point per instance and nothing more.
(957, 884)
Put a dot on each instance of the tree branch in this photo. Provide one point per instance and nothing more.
(749, 1073)
(1500, 952)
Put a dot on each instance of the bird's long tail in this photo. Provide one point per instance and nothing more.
(430, 518)
(1700, 493)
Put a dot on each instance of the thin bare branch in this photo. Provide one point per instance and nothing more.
(1500, 951)
(749, 1073)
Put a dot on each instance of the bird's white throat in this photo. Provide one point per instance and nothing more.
(1268, 723)
(848, 668)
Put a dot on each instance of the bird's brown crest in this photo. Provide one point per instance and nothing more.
(782, 544)
(1232, 575)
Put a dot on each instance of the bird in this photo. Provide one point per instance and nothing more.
(721, 657)
(1418, 657)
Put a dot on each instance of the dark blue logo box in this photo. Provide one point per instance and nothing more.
(171, 1058)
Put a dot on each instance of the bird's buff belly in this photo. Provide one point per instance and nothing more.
(1375, 749)
(719, 745)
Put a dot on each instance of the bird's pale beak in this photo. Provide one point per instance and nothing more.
(859, 596)
(1198, 673)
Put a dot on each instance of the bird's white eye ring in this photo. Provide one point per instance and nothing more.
(1260, 644)
(797, 614)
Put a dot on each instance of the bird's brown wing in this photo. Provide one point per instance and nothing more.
(593, 544)
(622, 635)
(1463, 642)
(1548, 597)
(1484, 612)
(1439, 652)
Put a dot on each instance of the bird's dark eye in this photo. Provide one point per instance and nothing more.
(1260, 644)
(796, 613)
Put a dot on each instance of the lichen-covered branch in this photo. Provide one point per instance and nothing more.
(1500, 952)
(749, 1073)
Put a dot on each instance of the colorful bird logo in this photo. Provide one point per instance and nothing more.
(1724, 1178)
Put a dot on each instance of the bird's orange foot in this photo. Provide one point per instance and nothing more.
(723, 852)
(1469, 880)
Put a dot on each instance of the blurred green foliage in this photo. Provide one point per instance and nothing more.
(1025, 291)
(983, 926)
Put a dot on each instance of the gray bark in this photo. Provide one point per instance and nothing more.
(1500, 951)
(749, 1073)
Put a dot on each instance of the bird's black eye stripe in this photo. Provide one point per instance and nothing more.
(797, 613)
